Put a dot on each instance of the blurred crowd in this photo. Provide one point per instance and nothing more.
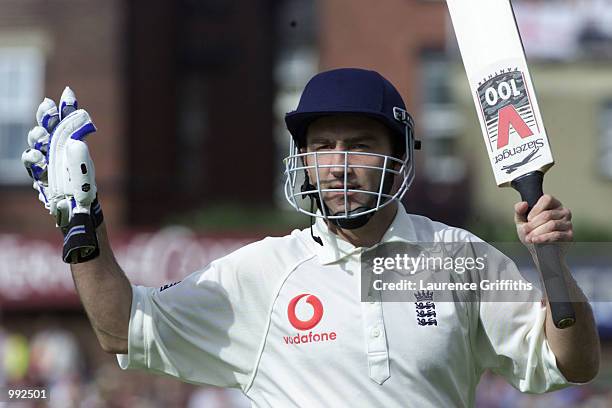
(494, 392)
(52, 358)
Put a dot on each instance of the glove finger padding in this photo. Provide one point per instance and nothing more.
(35, 159)
(36, 164)
(47, 115)
(68, 103)
(74, 127)
(64, 175)
(38, 138)
(36, 185)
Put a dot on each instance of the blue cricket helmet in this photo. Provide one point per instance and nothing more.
(348, 91)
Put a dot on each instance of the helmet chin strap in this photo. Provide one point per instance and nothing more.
(353, 223)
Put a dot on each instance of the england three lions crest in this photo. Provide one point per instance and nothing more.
(425, 308)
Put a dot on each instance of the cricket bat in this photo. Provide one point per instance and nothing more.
(510, 119)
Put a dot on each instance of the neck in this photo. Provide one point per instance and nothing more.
(372, 232)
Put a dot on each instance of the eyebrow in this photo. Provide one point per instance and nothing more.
(364, 137)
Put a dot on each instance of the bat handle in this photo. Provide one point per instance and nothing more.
(530, 187)
(547, 255)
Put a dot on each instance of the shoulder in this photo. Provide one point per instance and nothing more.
(249, 275)
(428, 230)
(270, 258)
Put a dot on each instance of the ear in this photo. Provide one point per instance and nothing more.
(303, 150)
(395, 165)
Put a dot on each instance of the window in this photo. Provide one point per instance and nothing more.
(297, 60)
(440, 122)
(605, 131)
(21, 85)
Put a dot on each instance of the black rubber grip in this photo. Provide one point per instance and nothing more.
(549, 261)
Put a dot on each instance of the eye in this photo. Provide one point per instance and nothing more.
(361, 146)
(322, 146)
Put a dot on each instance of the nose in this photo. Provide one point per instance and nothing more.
(338, 160)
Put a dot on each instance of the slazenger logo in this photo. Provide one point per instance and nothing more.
(533, 147)
(304, 325)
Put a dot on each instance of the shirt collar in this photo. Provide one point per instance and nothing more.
(335, 249)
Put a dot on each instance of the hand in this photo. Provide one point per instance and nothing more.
(547, 222)
(58, 160)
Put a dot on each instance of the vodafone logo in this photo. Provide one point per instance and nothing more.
(316, 316)
(303, 325)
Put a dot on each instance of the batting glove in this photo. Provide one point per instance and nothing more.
(58, 161)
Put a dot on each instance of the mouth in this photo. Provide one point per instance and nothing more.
(341, 187)
(340, 190)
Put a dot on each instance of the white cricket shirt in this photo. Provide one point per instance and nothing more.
(283, 320)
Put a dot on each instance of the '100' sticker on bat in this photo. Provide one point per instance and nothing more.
(506, 108)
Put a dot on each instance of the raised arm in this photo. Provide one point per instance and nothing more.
(106, 294)
(63, 173)
(577, 348)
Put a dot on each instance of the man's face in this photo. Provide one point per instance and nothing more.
(331, 135)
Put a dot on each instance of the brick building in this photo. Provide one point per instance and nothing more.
(183, 95)
(406, 41)
(72, 46)
(168, 85)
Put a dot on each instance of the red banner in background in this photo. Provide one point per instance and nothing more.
(33, 275)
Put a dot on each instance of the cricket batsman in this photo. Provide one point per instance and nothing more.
(283, 319)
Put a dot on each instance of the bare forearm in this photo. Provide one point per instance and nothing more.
(106, 295)
(576, 348)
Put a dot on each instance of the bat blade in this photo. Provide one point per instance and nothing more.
(510, 120)
(501, 87)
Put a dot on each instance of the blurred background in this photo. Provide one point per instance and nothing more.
(189, 97)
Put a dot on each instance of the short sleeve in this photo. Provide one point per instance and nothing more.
(510, 338)
(206, 329)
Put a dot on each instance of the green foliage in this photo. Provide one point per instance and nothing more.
(233, 217)
(492, 230)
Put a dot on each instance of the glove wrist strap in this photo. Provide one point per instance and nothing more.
(80, 240)
(96, 213)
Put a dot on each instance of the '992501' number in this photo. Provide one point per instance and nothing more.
(22, 394)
